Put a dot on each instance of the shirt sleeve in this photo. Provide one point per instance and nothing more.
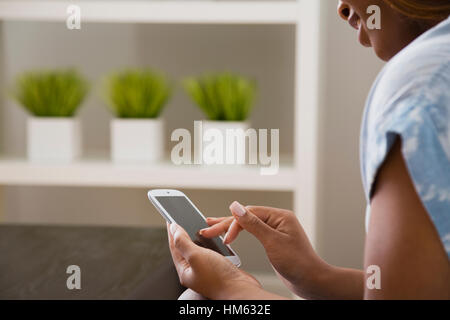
(424, 129)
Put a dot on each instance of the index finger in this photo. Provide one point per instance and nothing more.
(232, 233)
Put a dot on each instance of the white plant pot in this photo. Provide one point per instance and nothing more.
(206, 138)
(137, 140)
(53, 139)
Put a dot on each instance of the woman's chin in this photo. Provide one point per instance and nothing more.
(363, 38)
(382, 54)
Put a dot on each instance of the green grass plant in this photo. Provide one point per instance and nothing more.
(222, 96)
(51, 93)
(137, 94)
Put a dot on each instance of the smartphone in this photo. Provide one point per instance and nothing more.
(176, 207)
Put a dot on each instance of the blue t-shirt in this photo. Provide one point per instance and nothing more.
(411, 99)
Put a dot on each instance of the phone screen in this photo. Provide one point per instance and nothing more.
(189, 218)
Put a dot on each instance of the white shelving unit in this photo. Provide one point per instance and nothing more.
(272, 12)
(101, 172)
(298, 177)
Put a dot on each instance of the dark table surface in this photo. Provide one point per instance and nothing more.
(115, 262)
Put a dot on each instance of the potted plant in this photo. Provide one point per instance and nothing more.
(227, 100)
(136, 98)
(52, 99)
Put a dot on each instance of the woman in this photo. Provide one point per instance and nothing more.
(405, 164)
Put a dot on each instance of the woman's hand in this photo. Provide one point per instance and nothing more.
(209, 273)
(284, 240)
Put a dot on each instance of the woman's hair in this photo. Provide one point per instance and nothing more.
(422, 9)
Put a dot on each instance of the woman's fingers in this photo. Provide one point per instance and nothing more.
(218, 228)
(233, 232)
(181, 243)
(267, 213)
(259, 215)
(180, 263)
(213, 221)
(252, 223)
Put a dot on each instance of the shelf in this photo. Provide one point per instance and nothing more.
(216, 12)
(101, 172)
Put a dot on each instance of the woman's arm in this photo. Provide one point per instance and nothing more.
(402, 239)
(338, 283)
(290, 252)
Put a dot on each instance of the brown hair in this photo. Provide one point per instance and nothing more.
(422, 9)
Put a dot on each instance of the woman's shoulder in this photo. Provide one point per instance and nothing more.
(421, 71)
(415, 83)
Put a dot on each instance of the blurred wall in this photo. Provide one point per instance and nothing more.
(349, 72)
(2, 90)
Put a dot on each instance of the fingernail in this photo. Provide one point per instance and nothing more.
(201, 231)
(173, 228)
(237, 208)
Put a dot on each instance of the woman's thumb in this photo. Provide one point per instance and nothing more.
(182, 241)
(250, 222)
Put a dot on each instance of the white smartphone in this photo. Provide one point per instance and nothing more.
(176, 207)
